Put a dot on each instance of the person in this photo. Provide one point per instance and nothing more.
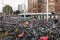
(23, 28)
(26, 23)
(0, 37)
(20, 32)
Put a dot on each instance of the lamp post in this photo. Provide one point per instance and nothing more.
(24, 9)
(47, 9)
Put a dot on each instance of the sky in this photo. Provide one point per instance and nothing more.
(13, 3)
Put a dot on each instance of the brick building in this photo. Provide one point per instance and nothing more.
(54, 6)
(57, 6)
(51, 6)
(34, 6)
(43, 6)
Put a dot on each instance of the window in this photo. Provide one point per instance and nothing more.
(39, 1)
(58, 1)
(39, 6)
(34, 6)
(34, 11)
(39, 10)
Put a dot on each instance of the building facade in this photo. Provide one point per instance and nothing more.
(43, 6)
(57, 6)
(34, 6)
(37, 6)
(22, 8)
(51, 6)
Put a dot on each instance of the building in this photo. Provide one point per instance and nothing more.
(34, 6)
(22, 8)
(57, 6)
(43, 6)
(51, 6)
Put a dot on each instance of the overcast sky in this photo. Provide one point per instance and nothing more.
(13, 3)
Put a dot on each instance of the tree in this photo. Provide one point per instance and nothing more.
(8, 9)
(17, 12)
